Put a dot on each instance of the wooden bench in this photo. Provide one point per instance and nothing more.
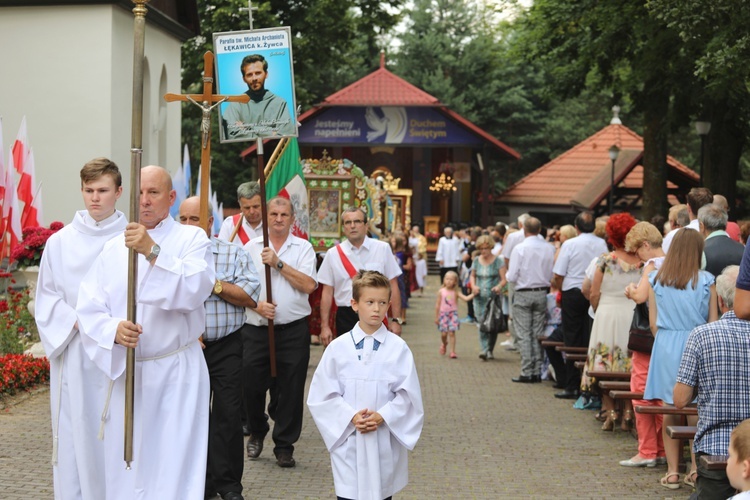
(620, 395)
(667, 410)
(579, 364)
(714, 462)
(551, 343)
(577, 357)
(605, 375)
(572, 350)
(614, 385)
(681, 431)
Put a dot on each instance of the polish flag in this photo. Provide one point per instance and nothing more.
(11, 213)
(32, 208)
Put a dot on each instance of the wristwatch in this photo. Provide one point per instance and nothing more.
(398, 320)
(218, 288)
(279, 265)
(154, 252)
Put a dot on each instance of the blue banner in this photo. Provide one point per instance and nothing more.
(384, 125)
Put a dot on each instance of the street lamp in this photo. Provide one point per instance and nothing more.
(702, 128)
(614, 151)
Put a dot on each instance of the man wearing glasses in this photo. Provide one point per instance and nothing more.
(357, 252)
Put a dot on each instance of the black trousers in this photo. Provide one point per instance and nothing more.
(292, 357)
(346, 318)
(576, 326)
(556, 359)
(712, 484)
(225, 440)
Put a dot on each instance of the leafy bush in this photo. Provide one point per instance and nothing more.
(17, 325)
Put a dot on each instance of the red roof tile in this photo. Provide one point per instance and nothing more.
(581, 176)
(381, 88)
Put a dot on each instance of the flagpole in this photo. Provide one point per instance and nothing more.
(136, 154)
(264, 229)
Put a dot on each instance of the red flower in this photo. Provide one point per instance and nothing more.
(28, 252)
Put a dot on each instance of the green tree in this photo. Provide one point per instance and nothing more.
(622, 47)
(717, 34)
(334, 42)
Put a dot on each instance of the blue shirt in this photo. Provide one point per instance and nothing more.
(233, 265)
(716, 360)
(743, 279)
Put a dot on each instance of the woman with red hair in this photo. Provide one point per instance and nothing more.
(608, 349)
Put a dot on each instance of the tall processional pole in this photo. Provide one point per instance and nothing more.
(136, 153)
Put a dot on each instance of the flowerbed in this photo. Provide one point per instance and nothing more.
(20, 372)
(17, 326)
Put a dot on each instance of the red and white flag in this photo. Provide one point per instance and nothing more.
(31, 197)
(11, 213)
(288, 181)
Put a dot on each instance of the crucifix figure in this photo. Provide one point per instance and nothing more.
(207, 101)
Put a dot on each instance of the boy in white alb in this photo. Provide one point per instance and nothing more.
(78, 389)
(366, 400)
(738, 464)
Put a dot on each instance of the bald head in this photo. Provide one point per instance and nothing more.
(190, 212)
(532, 226)
(722, 202)
(157, 195)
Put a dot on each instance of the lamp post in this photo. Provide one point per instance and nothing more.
(702, 128)
(614, 151)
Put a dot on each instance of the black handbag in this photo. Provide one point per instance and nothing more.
(641, 339)
(493, 320)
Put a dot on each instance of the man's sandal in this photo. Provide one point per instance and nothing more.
(665, 481)
(690, 478)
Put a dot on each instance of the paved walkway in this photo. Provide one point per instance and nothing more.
(484, 437)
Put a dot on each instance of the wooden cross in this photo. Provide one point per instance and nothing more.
(207, 101)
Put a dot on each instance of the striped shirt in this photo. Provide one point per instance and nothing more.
(233, 265)
(716, 360)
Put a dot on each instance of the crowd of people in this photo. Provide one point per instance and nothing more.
(580, 285)
(220, 346)
(207, 329)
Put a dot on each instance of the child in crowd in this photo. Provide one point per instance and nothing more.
(446, 311)
(421, 271)
(738, 465)
(366, 400)
(551, 323)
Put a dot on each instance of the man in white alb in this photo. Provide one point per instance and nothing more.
(357, 252)
(175, 277)
(78, 389)
(448, 252)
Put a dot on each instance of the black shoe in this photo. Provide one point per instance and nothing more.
(232, 495)
(246, 430)
(527, 379)
(254, 445)
(566, 394)
(285, 459)
(483, 356)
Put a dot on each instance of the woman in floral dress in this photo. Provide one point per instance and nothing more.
(608, 345)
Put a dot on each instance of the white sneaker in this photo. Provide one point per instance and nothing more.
(507, 343)
(489, 355)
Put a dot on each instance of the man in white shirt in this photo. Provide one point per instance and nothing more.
(678, 218)
(511, 241)
(293, 279)
(531, 272)
(448, 252)
(175, 277)
(570, 271)
(78, 388)
(696, 198)
(248, 196)
(359, 253)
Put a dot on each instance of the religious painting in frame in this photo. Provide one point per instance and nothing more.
(325, 210)
(328, 196)
(257, 63)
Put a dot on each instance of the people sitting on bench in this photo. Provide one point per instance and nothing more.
(715, 366)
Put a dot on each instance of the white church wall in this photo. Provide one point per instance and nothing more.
(69, 70)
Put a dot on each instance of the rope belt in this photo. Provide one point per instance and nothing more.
(105, 412)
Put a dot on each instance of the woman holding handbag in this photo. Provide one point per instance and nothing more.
(485, 275)
(681, 298)
(644, 239)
